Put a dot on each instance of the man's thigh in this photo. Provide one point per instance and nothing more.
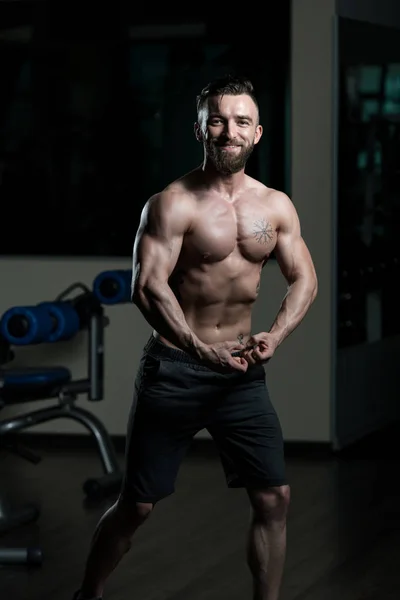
(171, 404)
(248, 434)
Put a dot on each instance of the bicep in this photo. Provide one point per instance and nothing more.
(293, 257)
(158, 241)
(155, 256)
(291, 251)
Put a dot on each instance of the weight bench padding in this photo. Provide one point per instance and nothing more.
(20, 385)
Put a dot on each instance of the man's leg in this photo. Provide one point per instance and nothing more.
(249, 437)
(110, 542)
(159, 433)
(266, 545)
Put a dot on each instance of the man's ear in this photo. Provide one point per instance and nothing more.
(258, 134)
(197, 132)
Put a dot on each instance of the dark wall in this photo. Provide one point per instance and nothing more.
(379, 12)
(368, 181)
(94, 120)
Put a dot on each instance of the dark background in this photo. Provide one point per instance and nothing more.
(368, 182)
(97, 111)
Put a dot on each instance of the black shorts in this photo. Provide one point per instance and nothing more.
(175, 397)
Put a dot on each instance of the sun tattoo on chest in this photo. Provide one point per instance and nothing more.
(263, 231)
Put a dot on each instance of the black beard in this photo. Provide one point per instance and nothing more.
(224, 162)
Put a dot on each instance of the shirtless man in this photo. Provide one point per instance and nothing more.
(197, 261)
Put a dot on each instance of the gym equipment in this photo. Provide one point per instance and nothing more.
(46, 322)
(52, 322)
(21, 556)
(113, 287)
(11, 518)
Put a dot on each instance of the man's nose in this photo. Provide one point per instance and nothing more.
(230, 130)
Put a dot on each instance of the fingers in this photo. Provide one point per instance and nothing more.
(239, 363)
(252, 353)
(251, 342)
(251, 357)
(256, 339)
(258, 354)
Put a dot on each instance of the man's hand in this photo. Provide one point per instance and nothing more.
(260, 348)
(219, 357)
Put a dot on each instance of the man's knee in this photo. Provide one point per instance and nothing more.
(270, 504)
(143, 510)
(132, 513)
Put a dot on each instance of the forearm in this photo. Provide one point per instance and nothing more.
(160, 308)
(295, 305)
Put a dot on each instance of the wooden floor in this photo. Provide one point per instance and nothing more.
(343, 530)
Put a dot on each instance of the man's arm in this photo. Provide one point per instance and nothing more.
(165, 219)
(296, 264)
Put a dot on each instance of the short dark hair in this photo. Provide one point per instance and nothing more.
(231, 85)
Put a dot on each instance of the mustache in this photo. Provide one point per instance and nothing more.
(222, 144)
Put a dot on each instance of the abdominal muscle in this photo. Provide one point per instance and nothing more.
(217, 304)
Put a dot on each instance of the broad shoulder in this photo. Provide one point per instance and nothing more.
(171, 208)
(273, 197)
(174, 198)
(281, 206)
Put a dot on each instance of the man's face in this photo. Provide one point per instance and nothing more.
(228, 127)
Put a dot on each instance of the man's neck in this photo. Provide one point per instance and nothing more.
(226, 185)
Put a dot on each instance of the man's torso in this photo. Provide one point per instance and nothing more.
(217, 276)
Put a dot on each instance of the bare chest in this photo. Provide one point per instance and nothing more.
(224, 229)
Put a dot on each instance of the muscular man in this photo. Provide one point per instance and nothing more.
(197, 261)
